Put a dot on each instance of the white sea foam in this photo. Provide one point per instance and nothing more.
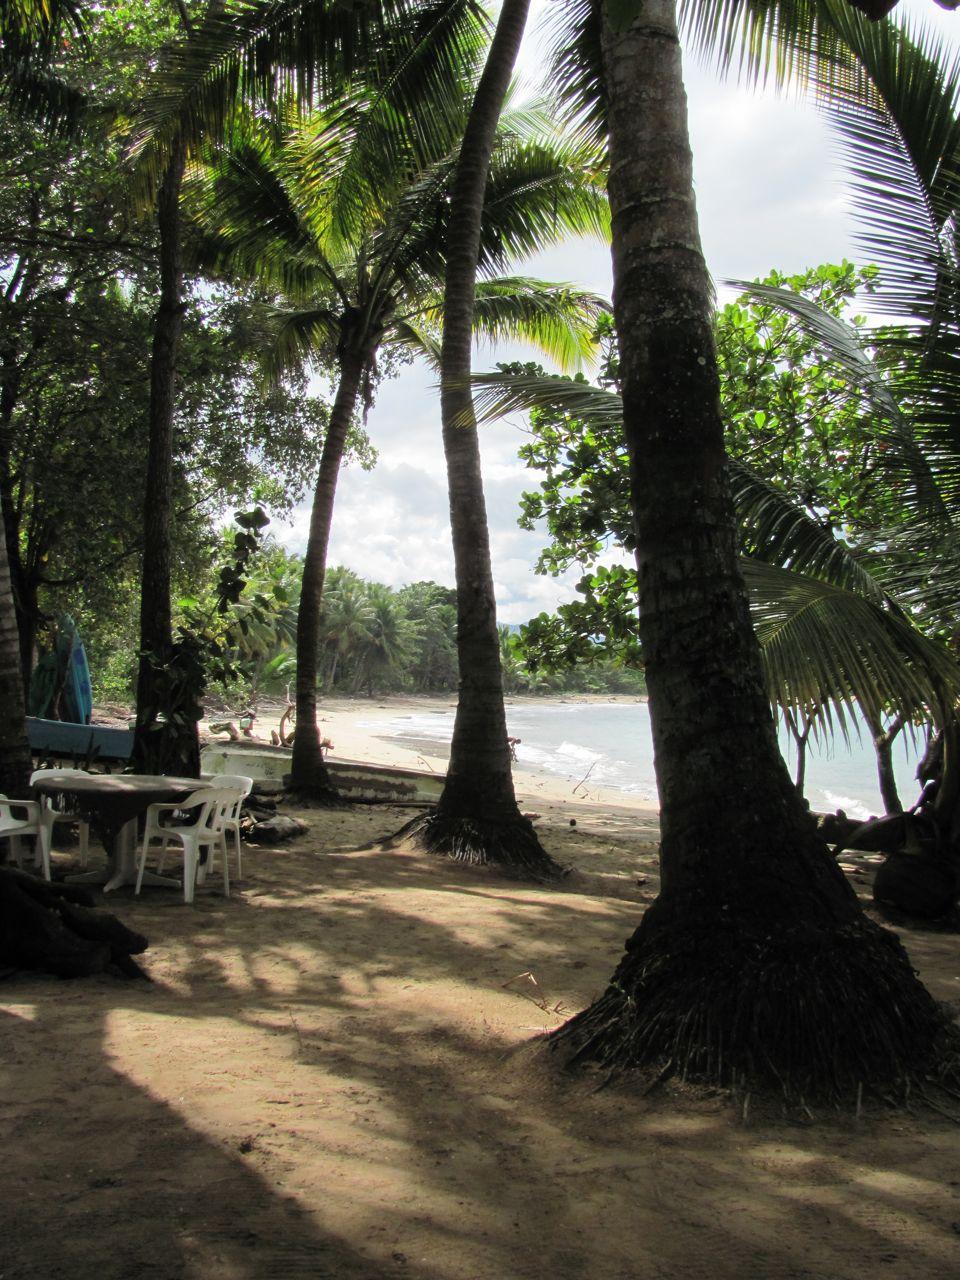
(851, 806)
(611, 743)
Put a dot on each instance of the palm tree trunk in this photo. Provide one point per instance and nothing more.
(309, 776)
(167, 747)
(15, 763)
(755, 965)
(477, 819)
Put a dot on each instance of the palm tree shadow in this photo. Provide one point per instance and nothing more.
(130, 1189)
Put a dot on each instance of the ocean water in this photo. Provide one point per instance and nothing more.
(608, 744)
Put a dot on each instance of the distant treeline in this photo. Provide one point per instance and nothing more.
(374, 640)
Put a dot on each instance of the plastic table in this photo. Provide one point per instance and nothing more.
(112, 803)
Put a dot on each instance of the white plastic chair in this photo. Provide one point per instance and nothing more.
(204, 833)
(13, 828)
(228, 818)
(50, 814)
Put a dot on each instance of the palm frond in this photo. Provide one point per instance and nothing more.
(764, 42)
(260, 52)
(30, 85)
(296, 338)
(895, 109)
(419, 339)
(576, 67)
(827, 649)
(538, 193)
(497, 394)
(32, 92)
(558, 318)
(781, 533)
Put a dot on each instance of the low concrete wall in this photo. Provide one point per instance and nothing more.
(357, 781)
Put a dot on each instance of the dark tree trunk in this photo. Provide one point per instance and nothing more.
(755, 966)
(166, 745)
(23, 599)
(801, 739)
(883, 740)
(477, 819)
(309, 776)
(15, 762)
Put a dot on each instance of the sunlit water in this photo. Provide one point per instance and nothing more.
(608, 744)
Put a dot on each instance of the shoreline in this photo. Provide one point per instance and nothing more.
(355, 727)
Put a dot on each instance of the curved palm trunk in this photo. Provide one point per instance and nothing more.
(477, 818)
(755, 965)
(168, 746)
(309, 776)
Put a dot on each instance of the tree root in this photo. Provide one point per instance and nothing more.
(803, 1012)
(510, 845)
(53, 928)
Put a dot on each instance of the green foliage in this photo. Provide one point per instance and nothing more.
(78, 287)
(799, 392)
(203, 648)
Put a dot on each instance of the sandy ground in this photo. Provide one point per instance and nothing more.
(330, 1076)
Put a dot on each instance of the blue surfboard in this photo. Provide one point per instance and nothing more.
(77, 693)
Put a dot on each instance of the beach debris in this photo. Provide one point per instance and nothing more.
(559, 1010)
(275, 830)
(921, 883)
(573, 822)
(225, 726)
(585, 777)
(228, 727)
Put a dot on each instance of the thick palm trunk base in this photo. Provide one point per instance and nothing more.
(510, 844)
(53, 928)
(785, 1009)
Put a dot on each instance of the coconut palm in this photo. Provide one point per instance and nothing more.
(755, 963)
(899, 113)
(388, 644)
(357, 236)
(291, 45)
(30, 31)
(393, 50)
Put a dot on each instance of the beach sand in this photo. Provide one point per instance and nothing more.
(357, 727)
(331, 1075)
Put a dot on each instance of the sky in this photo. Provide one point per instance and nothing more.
(770, 194)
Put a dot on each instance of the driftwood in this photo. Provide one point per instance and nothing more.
(54, 928)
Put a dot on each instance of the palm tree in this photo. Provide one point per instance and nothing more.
(477, 818)
(393, 50)
(346, 621)
(359, 235)
(30, 31)
(389, 641)
(755, 963)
